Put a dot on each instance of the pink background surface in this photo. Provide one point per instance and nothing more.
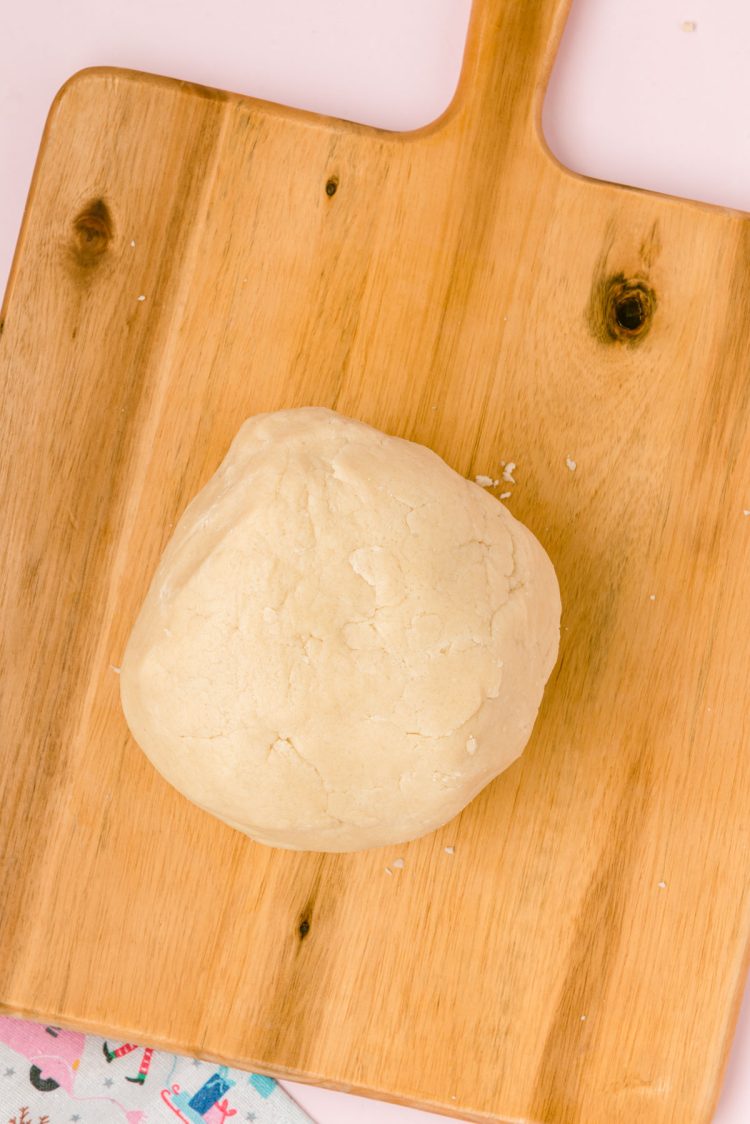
(635, 97)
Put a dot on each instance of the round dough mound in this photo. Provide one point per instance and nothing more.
(344, 641)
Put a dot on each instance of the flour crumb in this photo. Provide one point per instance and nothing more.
(689, 25)
(132, 243)
(486, 481)
(388, 870)
(449, 850)
(662, 885)
(746, 511)
(571, 464)
(583, 1018)
(471, 744)
(505, 495)
(508, 470)
(398, 864)
(652, 597)
(116, 670)
(142, 297)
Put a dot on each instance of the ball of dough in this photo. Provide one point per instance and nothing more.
(344, 640)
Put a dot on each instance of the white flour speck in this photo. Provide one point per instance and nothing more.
(142, 297)
(571, 464)
(662, 885)
(485, 481)
(471, 744)
(508, 472)
(388, 870)
(449, 850)
(505, 495)
(398, 864)
(652, 597)
(115, 669)
(746, 511)
(583, 1018)
(132, 243)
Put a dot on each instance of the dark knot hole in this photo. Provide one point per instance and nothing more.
(631, 311)
(629, 308)
(93, 231)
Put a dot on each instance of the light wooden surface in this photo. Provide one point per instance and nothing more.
(579, 959)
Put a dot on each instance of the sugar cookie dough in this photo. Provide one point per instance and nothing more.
(344, 640)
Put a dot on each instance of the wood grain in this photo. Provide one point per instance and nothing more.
(579, 959)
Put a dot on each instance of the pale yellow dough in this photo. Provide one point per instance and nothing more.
(344, 640)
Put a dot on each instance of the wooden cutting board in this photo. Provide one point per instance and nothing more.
(190, 257)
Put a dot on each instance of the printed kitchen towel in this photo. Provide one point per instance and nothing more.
(53, 1076)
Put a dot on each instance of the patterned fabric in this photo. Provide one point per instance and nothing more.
(53, 1076)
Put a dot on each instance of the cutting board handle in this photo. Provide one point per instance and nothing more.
(510, 49)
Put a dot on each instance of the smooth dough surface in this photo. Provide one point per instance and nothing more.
(344, 641)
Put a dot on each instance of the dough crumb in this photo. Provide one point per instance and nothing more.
(449, 850)
(132, 242)
(583, 1018)
(652, 597)
(142, 297)
(486, 481)
(471, 744)
(746, 511)
(689, 25)
(505, 495)
(115, 669)
(662, 885)
(508, 470)
(571, 464)
(398, 864)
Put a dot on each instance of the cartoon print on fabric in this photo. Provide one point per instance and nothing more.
(204, 1106)
(49, 1075)
(55, 1054)
(123, 1051)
